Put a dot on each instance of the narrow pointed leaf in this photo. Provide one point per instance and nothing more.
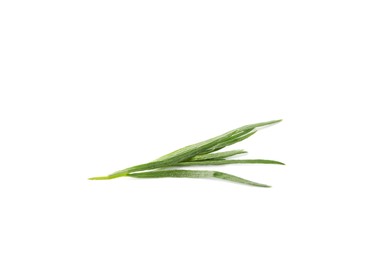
(222, 162)
(195, 174)
(215, 156)
(231, 141)
(229, 177)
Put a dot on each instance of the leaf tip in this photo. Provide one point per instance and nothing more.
(277, 121)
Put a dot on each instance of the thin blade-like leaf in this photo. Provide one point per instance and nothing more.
(215, 156)
(231, 141)
(229, 177)
(222, 162)
(194, 174)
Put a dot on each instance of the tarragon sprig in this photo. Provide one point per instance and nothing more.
(199, 154)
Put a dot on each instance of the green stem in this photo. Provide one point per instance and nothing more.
(109, 177)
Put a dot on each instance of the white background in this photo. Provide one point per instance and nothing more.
(90, 87)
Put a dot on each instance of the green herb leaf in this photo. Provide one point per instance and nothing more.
(215, 156)
(221, 162)
(194, 174)
(234, 139)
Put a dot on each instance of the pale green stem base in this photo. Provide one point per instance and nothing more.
(109, 177)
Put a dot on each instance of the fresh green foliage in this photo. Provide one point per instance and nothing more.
(194, 174)
(221, 162)
(198, 154)
(216, 156)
